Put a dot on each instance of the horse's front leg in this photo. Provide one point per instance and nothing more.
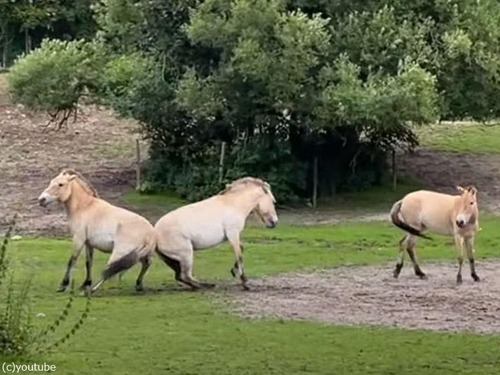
(89, 256)
(238, 268)
(77, 249)
(469, 246)
(459, 248)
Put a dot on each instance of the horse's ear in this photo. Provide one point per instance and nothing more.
(72, 177)
(472, 190)
(460, 189)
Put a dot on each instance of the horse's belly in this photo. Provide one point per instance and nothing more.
(201, 242)
(104, 243)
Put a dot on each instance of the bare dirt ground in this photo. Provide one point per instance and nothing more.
(98, 145)
(442, 171)
(369, 295)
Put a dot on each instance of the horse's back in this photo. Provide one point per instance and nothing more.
(430, 209)
(203, 224)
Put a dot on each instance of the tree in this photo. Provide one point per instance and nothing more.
(284, 82)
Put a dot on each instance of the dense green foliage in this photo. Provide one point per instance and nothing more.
(284, 82)
(23, 24)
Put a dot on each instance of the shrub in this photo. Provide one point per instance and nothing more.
(19, 338)
(56, 76)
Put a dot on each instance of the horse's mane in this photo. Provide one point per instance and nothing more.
(246, 181)
(82, 181)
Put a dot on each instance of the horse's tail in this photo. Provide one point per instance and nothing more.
(396, 209)
(120, 265)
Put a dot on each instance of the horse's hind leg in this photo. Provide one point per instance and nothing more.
(401, 257)
(186, 262)
(146, 263)
(469, 246)
(183, 268)
(411, 244)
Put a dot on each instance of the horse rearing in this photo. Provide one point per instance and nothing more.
(210, 222)
(449, 215)
(95, 223)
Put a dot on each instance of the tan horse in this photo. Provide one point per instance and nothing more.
(210, 222)
(449, 215)
(95, 223)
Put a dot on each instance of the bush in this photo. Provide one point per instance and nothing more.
(19, 338)
(56, 76)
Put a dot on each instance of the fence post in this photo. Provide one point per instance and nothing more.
(138, 182)
(221, 161)
(394, 170)
(315, 182)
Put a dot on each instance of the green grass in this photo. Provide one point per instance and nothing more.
(181, 332)
(462, 137)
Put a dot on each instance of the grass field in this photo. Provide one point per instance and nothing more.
(167, 330)
(470, 137)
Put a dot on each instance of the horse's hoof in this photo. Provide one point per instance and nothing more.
(476, 277)
(232, 272)
(208, 285)
(459, 280)
(139, 288)
(85, 285)
(62, 289)
(245, 287)
(422, 276)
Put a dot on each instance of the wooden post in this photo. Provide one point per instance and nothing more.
(221, 161)
(315, 182)
(394, 171)
(137, 165)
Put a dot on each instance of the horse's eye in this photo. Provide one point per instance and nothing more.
(61, 185)
(471, 203)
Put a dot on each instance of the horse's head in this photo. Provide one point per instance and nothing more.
(265, 207)
(59, 189)
(467, 210)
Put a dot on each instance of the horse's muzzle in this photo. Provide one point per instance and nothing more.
(460, 223)
(42, 201)
(271, 223)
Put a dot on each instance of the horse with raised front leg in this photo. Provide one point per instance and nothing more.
(210, 222)
(449, 215)
(97, 224)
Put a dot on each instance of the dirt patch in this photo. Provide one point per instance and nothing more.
(98, 145)
(369, 295)
(442, 171)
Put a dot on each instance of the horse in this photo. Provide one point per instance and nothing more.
(97, 224)
(210, 222)
(449, 215)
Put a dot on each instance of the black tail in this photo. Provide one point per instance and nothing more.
(402, 225)
(122, 264)
(171, 262)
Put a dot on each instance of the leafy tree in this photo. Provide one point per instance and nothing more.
(284, 82)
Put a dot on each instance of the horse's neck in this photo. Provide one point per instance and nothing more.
(78, 200)
(246, 200)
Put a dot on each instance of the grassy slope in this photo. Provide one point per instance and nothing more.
(462, 137)
(181, 332)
